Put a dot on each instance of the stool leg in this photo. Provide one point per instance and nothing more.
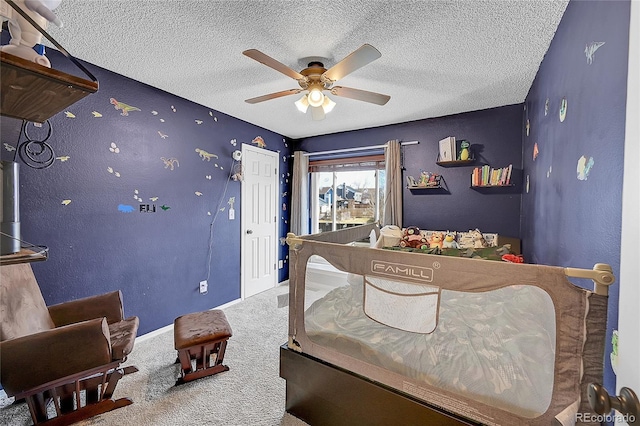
(66, 398)
(223, 348)
(185, 360)
(203, 356)
(37, 407)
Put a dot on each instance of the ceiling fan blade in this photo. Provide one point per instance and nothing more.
(357, 59)
(273, 96)
(272, 63)
(360, 95)
(317, 113)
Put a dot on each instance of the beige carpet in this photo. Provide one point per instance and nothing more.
(250, 393)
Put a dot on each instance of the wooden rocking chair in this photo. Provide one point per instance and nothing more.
(65, 355)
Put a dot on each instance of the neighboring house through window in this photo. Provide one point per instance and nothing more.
(346, 192)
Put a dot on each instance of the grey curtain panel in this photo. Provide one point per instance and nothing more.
(393, 185)
(300, 194)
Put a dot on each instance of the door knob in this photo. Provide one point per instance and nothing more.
(249, 231)
(627, 403)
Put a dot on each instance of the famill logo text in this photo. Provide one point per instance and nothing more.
(397, 269)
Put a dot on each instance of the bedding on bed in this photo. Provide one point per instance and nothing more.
(496, 347)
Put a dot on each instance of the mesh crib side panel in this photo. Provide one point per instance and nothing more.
(593, 355)
(475, 278)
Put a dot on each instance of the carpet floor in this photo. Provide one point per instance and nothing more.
(250, 393)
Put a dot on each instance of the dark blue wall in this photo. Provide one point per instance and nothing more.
(565, 220)
(495, 136)
(569, 221)
(156, 258)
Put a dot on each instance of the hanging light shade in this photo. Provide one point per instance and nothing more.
(302, 104)
(327, 105)
(315, 97)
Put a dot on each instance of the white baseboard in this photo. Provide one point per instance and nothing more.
(154, 333)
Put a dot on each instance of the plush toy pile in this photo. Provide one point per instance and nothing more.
(471, 244)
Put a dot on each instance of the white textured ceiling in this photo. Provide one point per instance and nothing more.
(438, 57)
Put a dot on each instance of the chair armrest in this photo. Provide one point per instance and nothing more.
(107, 305)
(33, 360)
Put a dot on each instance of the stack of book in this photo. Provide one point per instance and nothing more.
(447, 149)
(487, 176)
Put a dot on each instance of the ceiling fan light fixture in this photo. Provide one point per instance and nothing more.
(315, 97)
(302, 104)
(316, 79)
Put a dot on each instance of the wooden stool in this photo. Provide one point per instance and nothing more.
(201, 337)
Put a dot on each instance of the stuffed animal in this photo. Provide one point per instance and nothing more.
(436, 240)
(478, 239)
(513, 258)
(412, 230)
(464, 150)
(450, 241)
(412, 237)
(24, 36)
(428, 179)
(424, 178)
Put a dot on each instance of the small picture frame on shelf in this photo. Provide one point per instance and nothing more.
(447, 148)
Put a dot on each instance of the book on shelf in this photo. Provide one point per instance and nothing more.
(447, 149)
(487, 176)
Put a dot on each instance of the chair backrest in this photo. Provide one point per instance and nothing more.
(22, 307)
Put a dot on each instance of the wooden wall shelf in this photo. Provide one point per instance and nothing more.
(438, 186)
(36, 93)
(24, 256)
(497, 189)
(425, 187)
(456, 163)
(429, 189)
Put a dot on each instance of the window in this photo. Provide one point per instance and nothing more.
(346, 192)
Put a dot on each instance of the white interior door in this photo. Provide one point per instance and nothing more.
(259, 220)
(628, 313)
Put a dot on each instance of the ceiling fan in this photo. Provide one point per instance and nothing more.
(316, 79)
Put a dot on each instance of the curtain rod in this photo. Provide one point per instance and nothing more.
(362, 148)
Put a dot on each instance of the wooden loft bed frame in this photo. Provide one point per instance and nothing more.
(320, 393)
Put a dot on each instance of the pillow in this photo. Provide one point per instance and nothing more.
(390, 236)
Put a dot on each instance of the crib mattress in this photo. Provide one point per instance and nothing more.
(496, 347)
